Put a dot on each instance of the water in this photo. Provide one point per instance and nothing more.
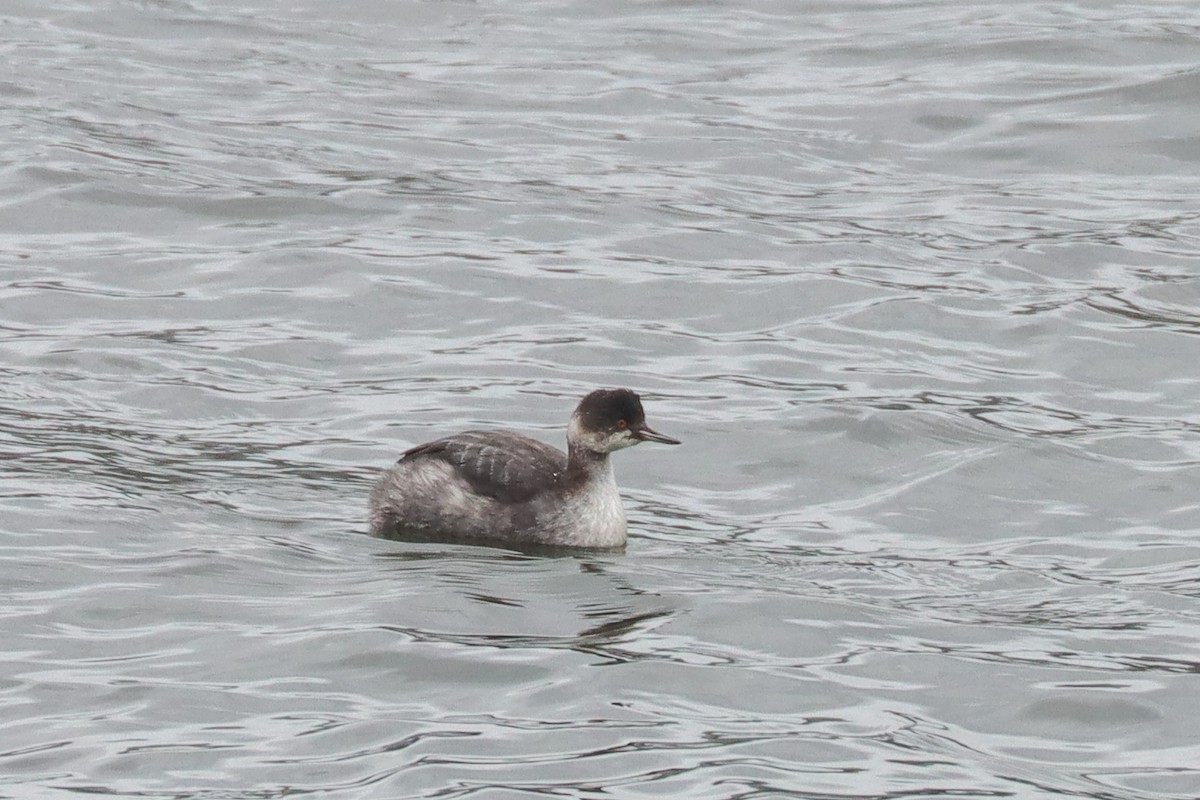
(916, 283)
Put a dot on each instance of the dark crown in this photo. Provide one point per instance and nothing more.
(602, 409)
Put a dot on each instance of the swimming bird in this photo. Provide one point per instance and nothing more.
(501, 487)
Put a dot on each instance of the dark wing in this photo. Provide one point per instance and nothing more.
(500, 464)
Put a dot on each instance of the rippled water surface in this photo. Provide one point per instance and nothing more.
(917, 283)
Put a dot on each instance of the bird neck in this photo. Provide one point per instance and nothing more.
(585, 465)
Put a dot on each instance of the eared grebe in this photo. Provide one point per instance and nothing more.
(502, 487)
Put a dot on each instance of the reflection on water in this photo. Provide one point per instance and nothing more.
(917, 284)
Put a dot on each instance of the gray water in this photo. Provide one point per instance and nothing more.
(917, 283)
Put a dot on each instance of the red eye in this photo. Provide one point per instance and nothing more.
(622, 424)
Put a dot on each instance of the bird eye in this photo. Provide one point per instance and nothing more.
(622, 424)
